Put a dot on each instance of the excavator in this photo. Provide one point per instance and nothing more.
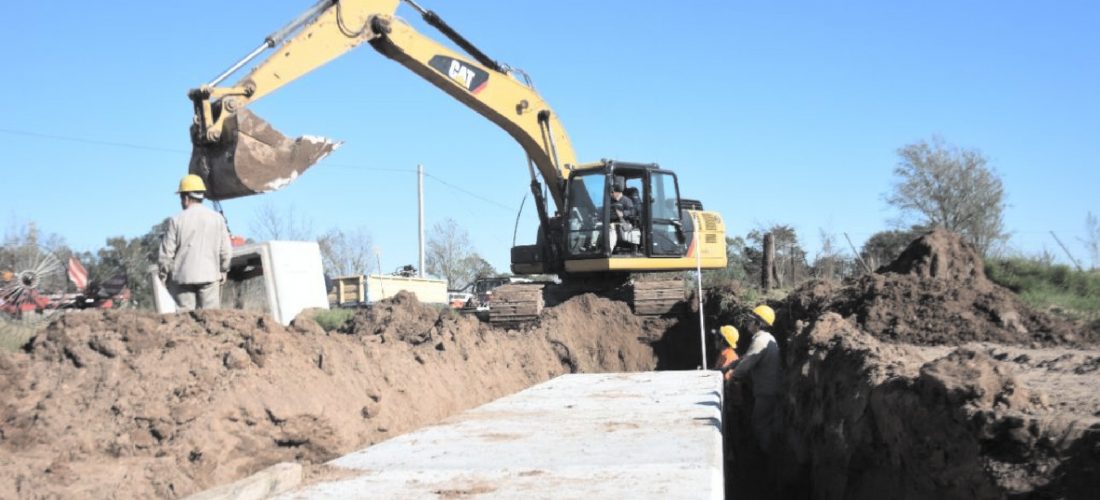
(588, 240)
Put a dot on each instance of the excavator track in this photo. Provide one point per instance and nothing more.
(657, 297)
(517, 303)
(520, 303)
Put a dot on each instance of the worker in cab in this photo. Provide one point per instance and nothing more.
(761, 363)
(623, 234)
(195, 252)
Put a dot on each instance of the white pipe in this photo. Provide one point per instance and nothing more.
(699, 290)
(420, 201)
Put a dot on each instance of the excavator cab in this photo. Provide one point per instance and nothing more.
(598, 227)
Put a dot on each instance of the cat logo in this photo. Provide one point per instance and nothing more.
(470, 77)
(461, 73)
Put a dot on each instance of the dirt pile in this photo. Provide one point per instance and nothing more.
(935, 293)
(869, 419)
(108, 403)
(926, 380)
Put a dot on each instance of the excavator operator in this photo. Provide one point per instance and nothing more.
(624, 215)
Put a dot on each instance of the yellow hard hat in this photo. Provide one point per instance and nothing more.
(730, 334)
(192, 184)
(765, 313)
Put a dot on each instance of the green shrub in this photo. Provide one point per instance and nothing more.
(1045, 285)
(333, 319)
(14, 334)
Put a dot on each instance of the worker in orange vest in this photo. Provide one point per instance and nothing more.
(727, 356)
(727, 345)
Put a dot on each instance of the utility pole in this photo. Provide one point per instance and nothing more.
(1064, 249)
(856, 253)
(420, 201)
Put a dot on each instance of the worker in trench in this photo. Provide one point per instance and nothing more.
(195, 252)
(762, 364)
(725, 343)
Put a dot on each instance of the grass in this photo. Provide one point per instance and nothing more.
(1048, 286)
(14, 334)
(12, 341)
(332, 319)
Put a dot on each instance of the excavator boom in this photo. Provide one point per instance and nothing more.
(240, 154)
(590, 240)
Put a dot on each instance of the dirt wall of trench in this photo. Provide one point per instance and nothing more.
(128, 404)
(926, 380)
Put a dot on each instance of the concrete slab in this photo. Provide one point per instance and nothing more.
(273, 480)
(637, 435)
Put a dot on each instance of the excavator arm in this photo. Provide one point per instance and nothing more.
(239, 154)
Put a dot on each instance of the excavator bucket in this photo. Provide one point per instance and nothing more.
(252, 158)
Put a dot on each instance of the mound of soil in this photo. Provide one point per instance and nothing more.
(935, 293)
(131, 404)
(868, 419)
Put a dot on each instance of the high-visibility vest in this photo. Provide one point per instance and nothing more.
(727, 356)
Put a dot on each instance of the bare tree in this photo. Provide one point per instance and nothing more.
(450, 255)
(346, 254)
(829, 263)
(272, 223)
(953, 188)
(1092, 238)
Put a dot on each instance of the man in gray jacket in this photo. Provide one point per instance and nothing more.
(195, 252)
(763, 364)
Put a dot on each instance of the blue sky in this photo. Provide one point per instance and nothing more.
(770, 112)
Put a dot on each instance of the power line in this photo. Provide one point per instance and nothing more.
(126, 145)
(468, 193)
(364, 167)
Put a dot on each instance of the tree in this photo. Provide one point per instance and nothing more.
(790, 258)
(477, 267)
(1092, 238)
(451, 257)
(953, 188)
(885, 246)
(271, 223)
(346, 254)
(830, 263)
(134, 257)
(737, 262)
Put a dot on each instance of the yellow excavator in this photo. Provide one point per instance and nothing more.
(593, 240)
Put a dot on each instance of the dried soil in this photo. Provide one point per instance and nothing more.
(130, 404)
(926, 380)
(935, 293)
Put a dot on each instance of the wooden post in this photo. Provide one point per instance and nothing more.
(859, 258)
(767, 270)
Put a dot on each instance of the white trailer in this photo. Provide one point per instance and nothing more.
(361, 290)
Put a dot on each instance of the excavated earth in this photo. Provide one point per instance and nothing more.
(137, 405)
(922, 380)
(926, 380)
